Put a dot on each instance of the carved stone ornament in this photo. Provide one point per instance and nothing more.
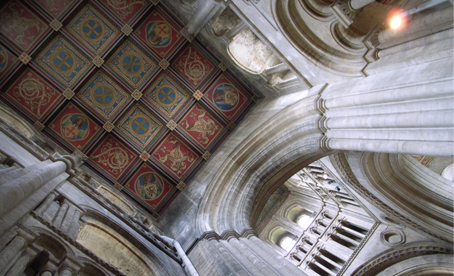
(144, 156)
(181, 186)
(126, 29)
(136, 94)
(55, 25)
(68, 93)
(198, 95)
(108, 126)
(98, 61)
(164, 64)
(25, 58)
(118, 186)
(222, 66)
(206, 155)
(39, 125)
(171, 125)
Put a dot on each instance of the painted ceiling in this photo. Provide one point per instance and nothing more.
(117, 80)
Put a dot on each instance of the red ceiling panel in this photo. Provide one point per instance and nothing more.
(95, 86)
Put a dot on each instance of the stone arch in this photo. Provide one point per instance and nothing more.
(403, 189)
(436, 264)
(57, 246)
(323, 51)
(294, 212)
(117, 199)
(90, 268)
(53, 246)
(278, 236)
(398, 255)
(126, 252)
(257, 167)
(415, 190)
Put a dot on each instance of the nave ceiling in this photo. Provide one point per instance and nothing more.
(118, 81)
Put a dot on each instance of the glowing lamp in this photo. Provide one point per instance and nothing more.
(396, 21)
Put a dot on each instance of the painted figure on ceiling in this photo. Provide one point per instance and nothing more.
(159, 34)
(74, 127)
(149, 186)
(225, 97)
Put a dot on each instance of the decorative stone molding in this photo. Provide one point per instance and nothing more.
(388, 237)
(74, 243)
(210, 235)
(123, 216)
(248, 233)
(322, 124)
(323, 143)
(229, 234)
(398, 254)
(319, 102)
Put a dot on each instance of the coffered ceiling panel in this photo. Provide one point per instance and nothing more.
(117, 81)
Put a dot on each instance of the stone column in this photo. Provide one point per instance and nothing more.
(414, 116)
(205, 11)
(14, 192)
(233, 247)
(43, 207)
(10, 251)
(58, 220)
(46, 273)
(66, 272)
(21, 263)
(73, 230)
(235, 265)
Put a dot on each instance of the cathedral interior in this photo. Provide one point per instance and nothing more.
(226, 137)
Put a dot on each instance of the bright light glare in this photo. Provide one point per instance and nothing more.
(304, 221)
(287, 243)
(396, 21)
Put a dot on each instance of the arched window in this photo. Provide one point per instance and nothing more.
(300, 216)
(304, 220)
(287, 243)
(283, 238)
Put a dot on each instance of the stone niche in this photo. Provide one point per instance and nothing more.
(114, 249)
